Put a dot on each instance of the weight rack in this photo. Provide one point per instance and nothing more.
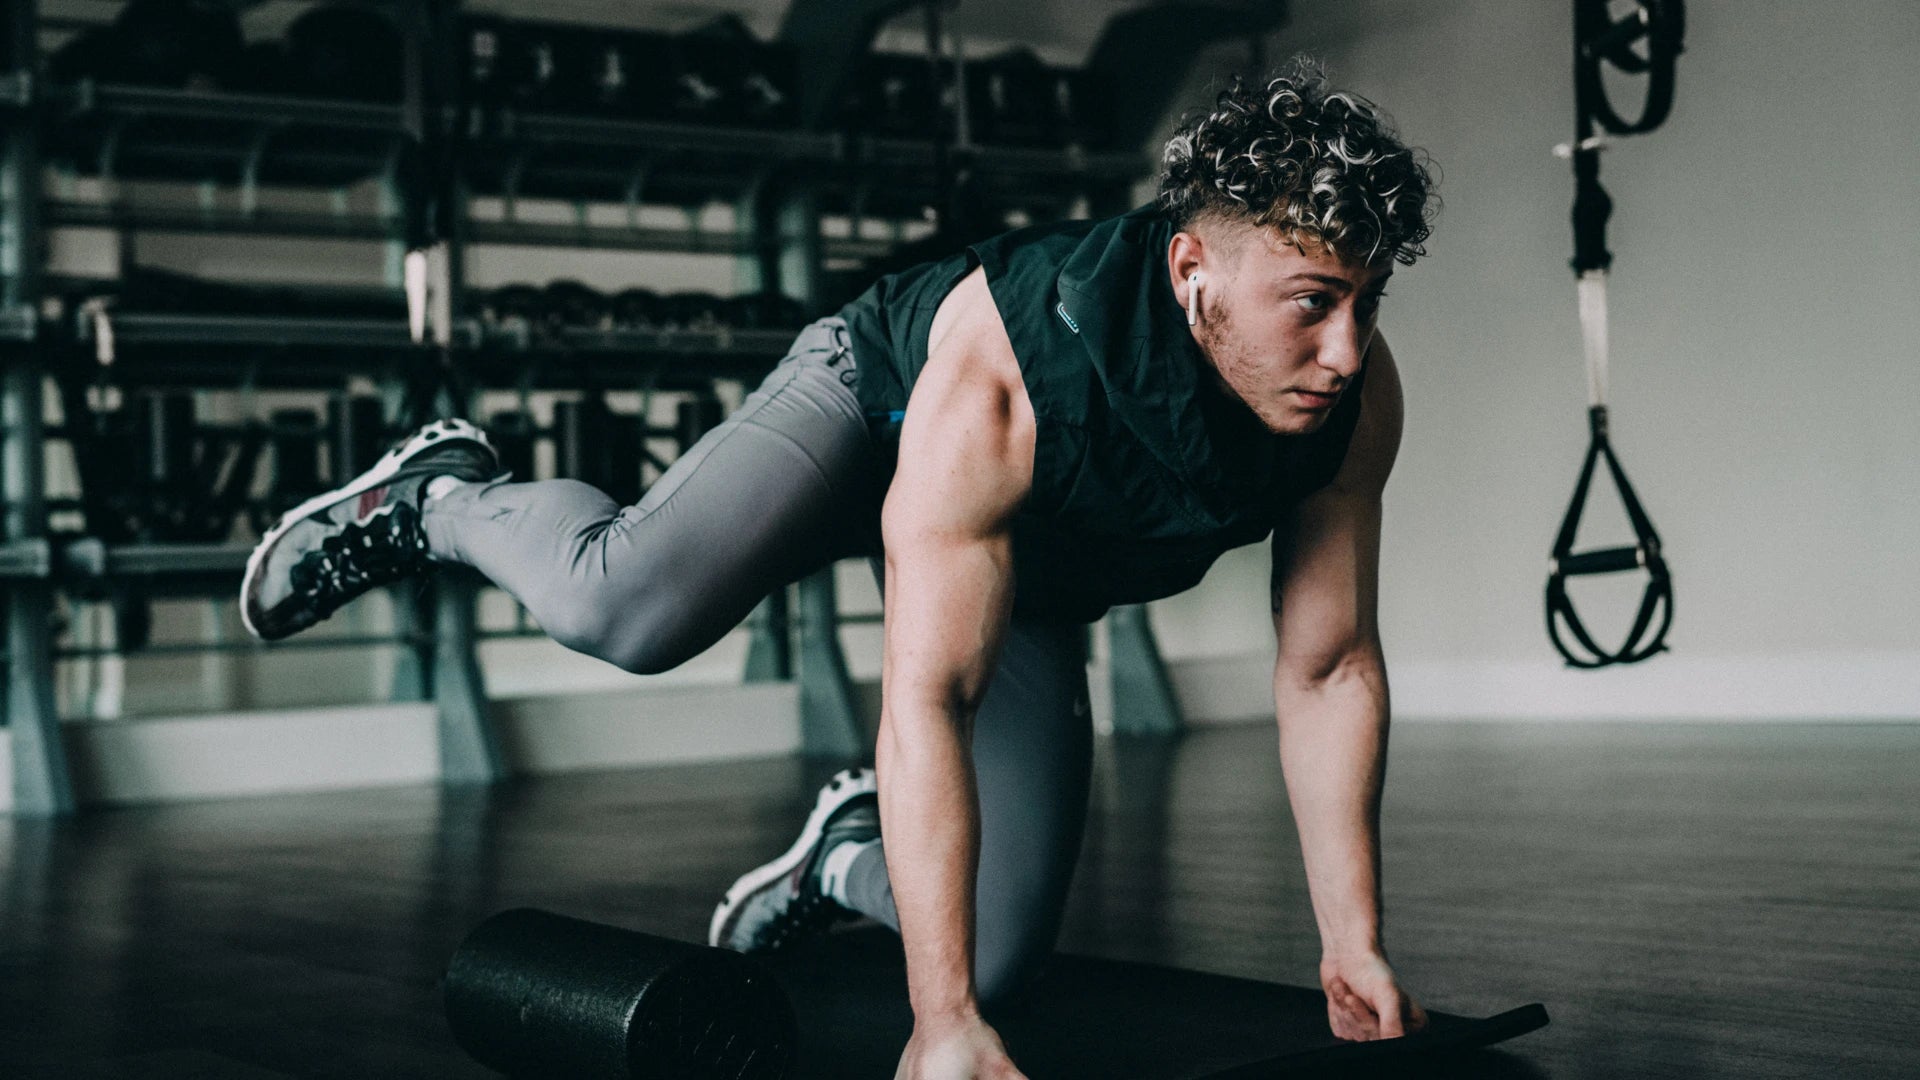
(791, 177)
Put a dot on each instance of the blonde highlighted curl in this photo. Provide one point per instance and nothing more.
(1322, 167)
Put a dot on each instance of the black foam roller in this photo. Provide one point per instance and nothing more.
(535, 994)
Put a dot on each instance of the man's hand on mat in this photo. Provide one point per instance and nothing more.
(1364, 999)
(964, 1048)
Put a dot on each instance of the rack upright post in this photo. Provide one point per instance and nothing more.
(42, 784)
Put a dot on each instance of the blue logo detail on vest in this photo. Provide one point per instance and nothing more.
(1061, 309)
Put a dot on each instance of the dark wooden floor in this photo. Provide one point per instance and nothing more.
(1690, 901)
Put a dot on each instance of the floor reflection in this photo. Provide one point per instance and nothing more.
(1689, 901)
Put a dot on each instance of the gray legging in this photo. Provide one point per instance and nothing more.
(790, 482)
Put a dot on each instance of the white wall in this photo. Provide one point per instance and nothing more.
(1766, 309)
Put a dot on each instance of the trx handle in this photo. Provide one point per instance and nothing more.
(1645, 553)
(1600, 40)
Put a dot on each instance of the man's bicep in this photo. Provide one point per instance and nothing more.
(1326, 552)
(1326, 560)
(965, 466)
(966, 440)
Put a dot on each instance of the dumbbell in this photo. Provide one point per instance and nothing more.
(294, 437)
(573, 303)
(485, 61)
(534, 994)
(92, 53)
(726, 75)
(1010, 99)
(356, 435)
(692, 311)
(149, 471)
(346, 51)
(894, 95)
(173, 43)
(764, 311)
(597, 446)
(512, 434)
(186, 483)
(263, 69)
(515, 303)
(694, 417)
(637, 309)
(606, 73)
(153, 471)
(1079, 109)
(540, 67)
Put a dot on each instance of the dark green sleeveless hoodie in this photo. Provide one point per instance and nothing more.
(1144, 469)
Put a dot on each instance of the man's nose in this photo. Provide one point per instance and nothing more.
(1342, 347)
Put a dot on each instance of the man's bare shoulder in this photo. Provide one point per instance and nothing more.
(966, 445)
(968, 340)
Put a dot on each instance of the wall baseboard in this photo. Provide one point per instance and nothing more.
(281, 751)
(1850, 686)
(273, 752)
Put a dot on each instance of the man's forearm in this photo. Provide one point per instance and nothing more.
(1333, 742)
(931, 818)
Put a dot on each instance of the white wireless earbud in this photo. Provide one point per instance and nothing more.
(1193, 298)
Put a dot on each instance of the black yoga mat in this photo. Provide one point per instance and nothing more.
(1099, 1020)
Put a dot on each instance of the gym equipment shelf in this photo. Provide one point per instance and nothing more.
(267, 352)
(326, 226)
(135, 329)
(1069, 162)
(117, 102)
(821, 153)
(87, 566)
(783, 181)
(788, 147)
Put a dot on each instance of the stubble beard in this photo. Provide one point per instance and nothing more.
(1234, 370)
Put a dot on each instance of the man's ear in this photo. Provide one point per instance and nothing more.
(1186, 254)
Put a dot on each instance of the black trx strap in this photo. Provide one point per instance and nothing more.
(1598, 40)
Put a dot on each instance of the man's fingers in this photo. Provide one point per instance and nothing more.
(1350, 1017)
(1391, 1025)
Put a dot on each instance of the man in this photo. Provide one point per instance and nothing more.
(1051, 422)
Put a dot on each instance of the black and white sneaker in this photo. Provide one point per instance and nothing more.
(335, 546)
(785, 900)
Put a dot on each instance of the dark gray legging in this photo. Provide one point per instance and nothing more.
(790, 482)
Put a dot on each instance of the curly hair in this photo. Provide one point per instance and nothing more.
(1321, 166)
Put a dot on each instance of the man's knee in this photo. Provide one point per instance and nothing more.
(629, 640)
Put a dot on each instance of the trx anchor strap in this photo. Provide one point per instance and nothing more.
(1599, 39)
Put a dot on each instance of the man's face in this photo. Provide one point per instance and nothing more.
(1285, 329)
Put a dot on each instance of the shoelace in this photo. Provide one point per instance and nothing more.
(361, 556)
(810, 912)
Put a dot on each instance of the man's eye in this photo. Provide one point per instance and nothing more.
(1314, 302)
(1371, 301)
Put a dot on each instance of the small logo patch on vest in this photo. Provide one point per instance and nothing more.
(1061, 309)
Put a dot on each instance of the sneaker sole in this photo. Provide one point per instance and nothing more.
(383, 470)
(845, 785)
